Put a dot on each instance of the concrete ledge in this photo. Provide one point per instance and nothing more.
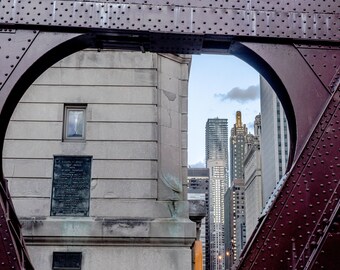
(91, 231)
(117, 257)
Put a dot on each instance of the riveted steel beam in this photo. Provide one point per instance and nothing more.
(294, 230)
(295, 84)
(327, 248)
(13, 253)
(325, 62)
(24, 54)
(294, 44)
(298, 20)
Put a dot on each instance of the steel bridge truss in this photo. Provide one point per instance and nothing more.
(293, 44)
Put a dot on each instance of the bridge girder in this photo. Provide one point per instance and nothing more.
(294, 44)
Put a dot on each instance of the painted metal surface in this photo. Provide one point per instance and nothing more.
(293, 232)
(316, 20)
(13, 253)
(294, 44)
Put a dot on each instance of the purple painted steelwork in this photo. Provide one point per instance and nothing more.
(13, 253)
(329, 70)
(316, 20)
(306, 207)
(283, 67)
(294, 44)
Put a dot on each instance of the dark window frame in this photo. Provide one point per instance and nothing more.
(64, 265)
(67, 109)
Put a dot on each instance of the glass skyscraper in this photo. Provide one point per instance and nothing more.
(216, 146)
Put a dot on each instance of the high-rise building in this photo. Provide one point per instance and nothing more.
(275, 134)
(198, 183)
(237, 144)
(228, 219)
(216, 140)
(237, 231)
(239, 222)
(216, 133)
(253, 178)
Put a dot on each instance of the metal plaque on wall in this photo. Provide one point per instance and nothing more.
(67, 260)
(71, 186)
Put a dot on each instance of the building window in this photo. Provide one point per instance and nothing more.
(74, 122)
(66, 261)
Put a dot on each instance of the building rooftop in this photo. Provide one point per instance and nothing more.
(198, 172)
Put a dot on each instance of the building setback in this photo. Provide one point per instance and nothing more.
(216, 133)
(96, 178)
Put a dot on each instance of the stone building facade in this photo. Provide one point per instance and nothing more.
(253, 178)
(237, 230)
(95, 157)
(275, 133)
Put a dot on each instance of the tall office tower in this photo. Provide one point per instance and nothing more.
(216, 133)
(237, 141)
(235, 228)
(228, 218)
(239, 222)
(236, 208)
(216, 140)
(198, 181)
(275, 134)
(253, 178)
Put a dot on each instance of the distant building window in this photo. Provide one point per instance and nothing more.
(66, 261)
(74, 122)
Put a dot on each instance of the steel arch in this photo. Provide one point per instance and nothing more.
(294, 44)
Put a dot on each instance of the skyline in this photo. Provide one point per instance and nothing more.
(219, 85)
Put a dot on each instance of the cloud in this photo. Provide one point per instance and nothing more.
(241, 95)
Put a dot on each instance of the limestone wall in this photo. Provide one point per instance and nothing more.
(136, 132)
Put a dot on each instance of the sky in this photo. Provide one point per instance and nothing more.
(219, 85)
